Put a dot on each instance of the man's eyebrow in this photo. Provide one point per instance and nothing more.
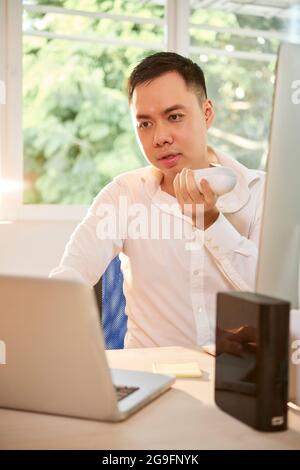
(166, 111)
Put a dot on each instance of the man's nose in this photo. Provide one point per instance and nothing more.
(161, 137)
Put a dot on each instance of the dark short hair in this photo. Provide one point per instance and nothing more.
(160, 63)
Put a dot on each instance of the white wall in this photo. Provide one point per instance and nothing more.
(31, 247)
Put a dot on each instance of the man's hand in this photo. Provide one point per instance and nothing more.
(201, 201)
(237, 340)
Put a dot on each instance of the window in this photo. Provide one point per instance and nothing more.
(65, 129)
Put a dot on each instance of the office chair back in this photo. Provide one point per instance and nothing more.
(111, 303)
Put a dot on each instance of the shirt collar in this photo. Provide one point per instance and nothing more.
(228, 203)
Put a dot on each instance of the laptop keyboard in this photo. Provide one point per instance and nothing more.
(123, 391)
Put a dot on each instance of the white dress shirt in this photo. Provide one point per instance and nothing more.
(170, 282)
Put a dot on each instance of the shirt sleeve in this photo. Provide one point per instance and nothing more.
(96, 241)
(236, 255)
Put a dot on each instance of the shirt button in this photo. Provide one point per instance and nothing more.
(196, 272)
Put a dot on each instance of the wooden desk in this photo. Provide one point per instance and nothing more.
(183, 418)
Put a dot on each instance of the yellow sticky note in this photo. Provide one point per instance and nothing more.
(180, 369)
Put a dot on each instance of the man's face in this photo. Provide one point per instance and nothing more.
(171, 124)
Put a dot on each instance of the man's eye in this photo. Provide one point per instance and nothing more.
(175, 117)
(144, 124)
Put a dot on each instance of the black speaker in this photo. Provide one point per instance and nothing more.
(252, 344)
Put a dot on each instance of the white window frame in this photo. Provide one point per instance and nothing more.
(176, 39)
(11, 167)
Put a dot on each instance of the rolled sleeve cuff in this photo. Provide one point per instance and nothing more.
(221, 237)
(68, 274)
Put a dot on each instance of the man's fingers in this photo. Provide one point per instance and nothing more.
(179, 194)
(192, 189)
(209, 195)
(192, 201)
(176, 186)
(183, 187)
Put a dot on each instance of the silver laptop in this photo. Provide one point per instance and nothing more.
(55, 360)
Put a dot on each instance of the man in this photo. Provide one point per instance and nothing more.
(170, 281)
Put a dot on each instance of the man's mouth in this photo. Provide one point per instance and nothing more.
(170, 160)
(167, 156)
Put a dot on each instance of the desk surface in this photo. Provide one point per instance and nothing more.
(183, 418)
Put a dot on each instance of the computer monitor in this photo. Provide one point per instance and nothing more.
(279, 252)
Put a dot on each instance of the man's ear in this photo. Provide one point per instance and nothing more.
(209, 113)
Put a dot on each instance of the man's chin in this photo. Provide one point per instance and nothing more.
(171, 172)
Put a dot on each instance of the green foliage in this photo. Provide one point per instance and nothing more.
(244, 122)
